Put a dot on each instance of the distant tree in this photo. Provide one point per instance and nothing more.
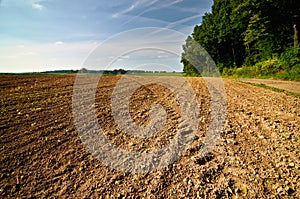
(188, 68)
(83, 70)
(196, 59)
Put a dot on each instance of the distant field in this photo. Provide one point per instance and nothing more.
(158, 74)
(67, 73)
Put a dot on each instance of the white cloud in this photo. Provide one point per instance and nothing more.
(162, 56)
(37, 6)
(59, 43)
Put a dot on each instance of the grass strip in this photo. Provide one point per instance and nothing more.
(273, 89)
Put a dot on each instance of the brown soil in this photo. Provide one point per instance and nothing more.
(291, 86)
(42, 155)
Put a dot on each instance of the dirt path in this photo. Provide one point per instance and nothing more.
(42, 155)
(292, 86)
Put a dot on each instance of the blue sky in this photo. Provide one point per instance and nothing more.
(39, 35)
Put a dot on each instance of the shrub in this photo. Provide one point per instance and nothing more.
(284, 66)
(268, 66)
(289, 58)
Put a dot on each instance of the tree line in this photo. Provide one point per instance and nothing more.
(243, 33)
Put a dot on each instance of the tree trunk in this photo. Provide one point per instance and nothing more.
(233, 54)
(295, 36)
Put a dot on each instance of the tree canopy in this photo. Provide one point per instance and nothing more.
(245, 32)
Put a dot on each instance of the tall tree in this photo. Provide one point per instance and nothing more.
(239, 32)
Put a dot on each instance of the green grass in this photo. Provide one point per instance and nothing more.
(274, 89)
(292, 77)
(283, 76)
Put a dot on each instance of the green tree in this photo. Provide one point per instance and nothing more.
(258, 41)
(244, 32)
(196, 59)
(188, 68)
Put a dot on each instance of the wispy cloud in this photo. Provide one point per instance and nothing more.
(123, 57)
(181, 21)
(174, 2)
(151, 6)
(146, 6)
(138, 4)
(138, 47)
(116, 15)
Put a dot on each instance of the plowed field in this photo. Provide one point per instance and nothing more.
(42, 156)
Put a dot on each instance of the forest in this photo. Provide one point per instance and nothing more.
(250, 38)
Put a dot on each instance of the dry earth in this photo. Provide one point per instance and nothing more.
(42, 156)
